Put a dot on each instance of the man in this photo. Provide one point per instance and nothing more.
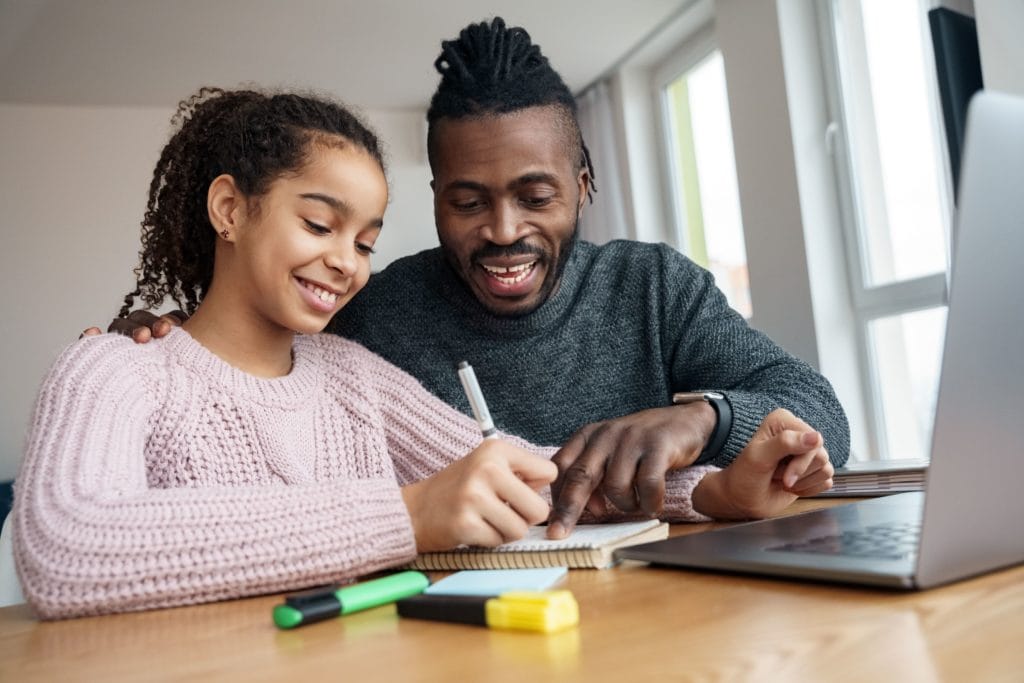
(573, 344)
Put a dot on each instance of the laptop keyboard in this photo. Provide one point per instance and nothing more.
(896, 541)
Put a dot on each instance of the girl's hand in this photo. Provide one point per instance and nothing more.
(487, 498)
(785, 459)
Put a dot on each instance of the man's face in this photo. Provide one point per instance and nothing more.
(507, 196)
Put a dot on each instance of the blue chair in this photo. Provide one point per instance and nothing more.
(6, 498)
(10, 586)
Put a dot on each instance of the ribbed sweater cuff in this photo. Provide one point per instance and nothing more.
(679, 486)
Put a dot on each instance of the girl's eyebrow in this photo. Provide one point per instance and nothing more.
(340, 207)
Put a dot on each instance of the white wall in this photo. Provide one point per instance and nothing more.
(409, 222)
(73, 183)
(751, 47)
(1002, 52)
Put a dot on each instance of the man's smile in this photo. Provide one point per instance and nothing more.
(510, 280)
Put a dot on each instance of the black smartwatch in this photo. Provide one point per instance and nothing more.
(722, 428)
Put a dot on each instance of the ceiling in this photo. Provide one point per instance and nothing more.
(372, 53)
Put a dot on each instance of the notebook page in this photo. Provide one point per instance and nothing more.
(583, 536)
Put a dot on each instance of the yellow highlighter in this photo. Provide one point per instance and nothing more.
(539, 611)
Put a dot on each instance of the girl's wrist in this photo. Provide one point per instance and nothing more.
(410, 496)
(709, 497)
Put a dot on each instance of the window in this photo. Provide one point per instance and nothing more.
(701, 166)
(895, 187)
(906, 353)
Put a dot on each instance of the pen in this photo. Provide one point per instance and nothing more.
(326, 603)
(476, 400)
(540, 611)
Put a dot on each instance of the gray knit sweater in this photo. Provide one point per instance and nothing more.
(630, 324)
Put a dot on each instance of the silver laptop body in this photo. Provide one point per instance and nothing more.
(970, 520)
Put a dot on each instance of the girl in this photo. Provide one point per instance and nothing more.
(244, 453)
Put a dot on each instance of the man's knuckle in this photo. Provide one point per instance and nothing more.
(649, 481)
(578, 476)
(567, 508)
(617, 490)
(630, 432)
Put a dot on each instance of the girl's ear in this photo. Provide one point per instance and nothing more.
(225, 205)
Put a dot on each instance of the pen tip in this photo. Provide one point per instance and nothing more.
(463, 364)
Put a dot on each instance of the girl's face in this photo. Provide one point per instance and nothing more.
(302, 250)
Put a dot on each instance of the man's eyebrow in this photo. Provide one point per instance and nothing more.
(521, 181)
(465, 185)
(531, 178)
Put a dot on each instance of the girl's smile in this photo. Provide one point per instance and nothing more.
(320, 297)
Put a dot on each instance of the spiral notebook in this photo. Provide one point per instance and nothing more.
(588, 546)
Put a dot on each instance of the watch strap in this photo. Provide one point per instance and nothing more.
(723, 424)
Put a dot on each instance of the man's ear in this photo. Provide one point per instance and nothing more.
(225, 205)
(583, 182)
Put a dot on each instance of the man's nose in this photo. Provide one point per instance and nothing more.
(506, 226)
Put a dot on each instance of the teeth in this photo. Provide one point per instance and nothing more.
(321, 293)
(522, 269)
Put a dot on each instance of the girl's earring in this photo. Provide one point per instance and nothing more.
(225, 234)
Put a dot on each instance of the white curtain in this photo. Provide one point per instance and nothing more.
(605, 219)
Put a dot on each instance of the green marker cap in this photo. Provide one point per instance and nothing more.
(326, 603)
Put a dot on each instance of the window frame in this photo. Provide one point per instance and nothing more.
(872, 302)
(697, 46)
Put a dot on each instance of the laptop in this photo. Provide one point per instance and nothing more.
(967, 520)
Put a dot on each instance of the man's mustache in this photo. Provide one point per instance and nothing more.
(519, 248)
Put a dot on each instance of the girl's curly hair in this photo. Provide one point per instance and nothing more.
(254, 137)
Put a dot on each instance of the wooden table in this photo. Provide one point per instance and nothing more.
(637, 624)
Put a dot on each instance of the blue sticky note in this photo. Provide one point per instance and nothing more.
(497, 581)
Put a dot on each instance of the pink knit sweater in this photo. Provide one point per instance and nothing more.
(158, 475)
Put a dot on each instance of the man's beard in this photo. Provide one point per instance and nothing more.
(552, 278)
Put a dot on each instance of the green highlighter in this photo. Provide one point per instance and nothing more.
(326, 603)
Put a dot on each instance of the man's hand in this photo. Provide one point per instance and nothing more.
(141, 325)
(626, 460)
(487, 498)
(785, 459)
